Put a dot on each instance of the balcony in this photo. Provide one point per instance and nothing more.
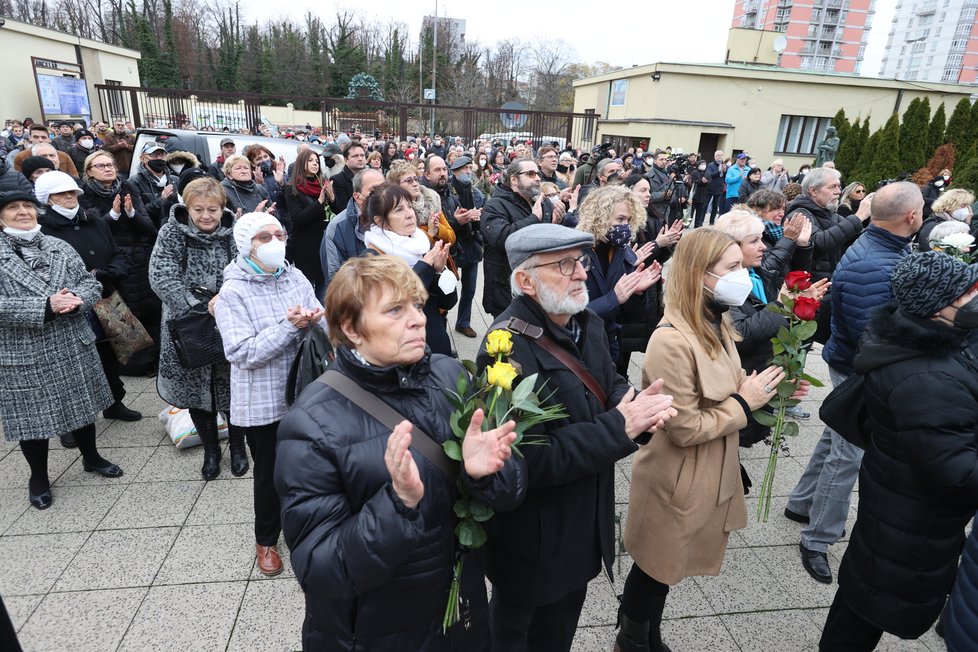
(927, 8)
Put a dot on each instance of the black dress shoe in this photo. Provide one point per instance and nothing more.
(68, 441)
(41, 501)
(817, 564)
(795, 516)
(108, 471)
(119, 411)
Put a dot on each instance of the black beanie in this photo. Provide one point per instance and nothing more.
(927, 282)
(188, 175)
(32, 164)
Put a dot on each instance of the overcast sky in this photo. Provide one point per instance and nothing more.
(630, 33)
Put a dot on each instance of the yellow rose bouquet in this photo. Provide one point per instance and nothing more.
(493, 393)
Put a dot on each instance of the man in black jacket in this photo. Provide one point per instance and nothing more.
(542, 555)
(664, 201)
(356, 160)
(716, 189)
(152, 181)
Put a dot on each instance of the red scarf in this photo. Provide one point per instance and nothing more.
(311, 186)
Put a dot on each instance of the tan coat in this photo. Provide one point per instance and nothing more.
(686, 492)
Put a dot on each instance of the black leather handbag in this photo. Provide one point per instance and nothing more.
(310, 362)
(195, 335)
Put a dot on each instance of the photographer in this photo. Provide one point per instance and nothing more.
(664, 203)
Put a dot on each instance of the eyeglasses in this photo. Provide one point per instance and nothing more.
(410, 180)
(568, 266)
(103, 166)
(533, 174)
(265, 237)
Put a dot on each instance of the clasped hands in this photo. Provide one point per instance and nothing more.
(646, 411)
(302, 317)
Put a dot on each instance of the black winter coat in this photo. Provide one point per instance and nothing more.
(246, 198)
(961, 616)
(747, 188)
(135, 236)
(555, 541)
(92, 238)
(11, 179)
(342, 189)
(468, 239)
(831, 236)
(143, 183)
(308, 219)
(376, 573)
(603, 301)
(918, 485)
(504, 214)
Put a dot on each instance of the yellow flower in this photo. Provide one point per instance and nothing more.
(499, 342)
(501, 374)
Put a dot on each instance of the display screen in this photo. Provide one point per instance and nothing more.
(64, 96)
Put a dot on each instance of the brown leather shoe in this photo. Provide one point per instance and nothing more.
(269, 563)
(467, 331)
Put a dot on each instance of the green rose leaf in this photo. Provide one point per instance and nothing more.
(764, 417)
(791, 428)
(786, 389)
(470, 367)
(815, 382)
(461, 509)
(453, 450)
(806, 329)
(457, 428)
(480, 512)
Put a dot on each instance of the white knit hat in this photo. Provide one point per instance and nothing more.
(55, 182)
(246, 227)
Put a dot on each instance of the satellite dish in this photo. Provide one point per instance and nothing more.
(780, 44)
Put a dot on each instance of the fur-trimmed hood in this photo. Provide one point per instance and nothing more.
(892, 335)
(189, 159)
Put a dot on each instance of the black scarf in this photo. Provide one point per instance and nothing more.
(100, 190)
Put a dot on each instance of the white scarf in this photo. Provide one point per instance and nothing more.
(408, 248)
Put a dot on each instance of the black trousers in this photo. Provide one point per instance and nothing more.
(846, 631)
(718, 206)
(268, 509)
(110, 365)
(699, 212)
(548, 628)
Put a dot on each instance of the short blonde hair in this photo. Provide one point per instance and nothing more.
(400, 169)
(952, 200)
(595, 212)
(361, 281)
(740, 224)
(233, 160)
(205, 188)
(91, 159)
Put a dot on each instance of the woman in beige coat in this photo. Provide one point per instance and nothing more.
(686, 491)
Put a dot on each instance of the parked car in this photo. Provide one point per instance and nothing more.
(206, 145)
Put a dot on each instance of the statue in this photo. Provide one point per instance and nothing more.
(826, 149)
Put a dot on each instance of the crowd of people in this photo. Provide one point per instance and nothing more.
(585, 259)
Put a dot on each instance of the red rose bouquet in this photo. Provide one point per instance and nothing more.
(789, 354)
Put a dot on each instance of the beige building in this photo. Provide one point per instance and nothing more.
(768, 112)
(50, 75)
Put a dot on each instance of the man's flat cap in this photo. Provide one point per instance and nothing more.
(542, 238)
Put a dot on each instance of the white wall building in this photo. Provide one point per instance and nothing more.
(933, 40)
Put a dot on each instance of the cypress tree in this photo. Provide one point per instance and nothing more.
(865, 164)
(959, 126)
(913, 136)
(886, 159)
(935, 136)
(849, 149)
(841, 124)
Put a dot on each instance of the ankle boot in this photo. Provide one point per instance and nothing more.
(239, 457)
(655, 625)
(212, 450)
(633, 636)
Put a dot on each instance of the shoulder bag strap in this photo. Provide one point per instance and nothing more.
(535, 334)
(382, 412)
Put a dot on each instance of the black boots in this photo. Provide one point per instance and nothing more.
(655, 626)
(632, 637)
(119, 411)
(207, 430)
(239, 457)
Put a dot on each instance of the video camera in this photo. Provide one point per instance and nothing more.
(678, 164)
(600, 153)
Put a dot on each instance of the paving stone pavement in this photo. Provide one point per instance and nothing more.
(160, 560)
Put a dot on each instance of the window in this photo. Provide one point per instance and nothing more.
(959, 44)
(918, 47)
(816, 14)
(969, 14)
(619, 89)
(800, 134)
(950, 74)
(954, 60)
(811, 30)
(930, 60)
(820, 63)
(806, 63)
(862, 50)
(116, 103)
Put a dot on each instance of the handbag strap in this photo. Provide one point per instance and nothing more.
(535, 334)
(381, 411)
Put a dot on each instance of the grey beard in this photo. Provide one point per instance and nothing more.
(833, 205)
(556, 304)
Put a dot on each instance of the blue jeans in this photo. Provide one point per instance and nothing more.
(824, 491)
(470, 274)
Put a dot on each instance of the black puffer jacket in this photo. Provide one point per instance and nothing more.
(11, 179)
(555, 541)
(918, 485)
(504, 214)
(375, 573)
(135, 236)
(961, 617)
(144, 184)
(92, 238)
(831, 234)
(306, 227)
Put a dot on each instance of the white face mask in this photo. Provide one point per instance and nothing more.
(22, 234)
(271, 254)
(70, 213)
(961, 214)
(177, 167)
(733, 288)
(87, 143)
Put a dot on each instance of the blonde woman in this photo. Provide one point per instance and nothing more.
(616, 279)
(954, 204)
(426, 203)
(686, 491)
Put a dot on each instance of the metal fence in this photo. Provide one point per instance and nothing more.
(218, 111)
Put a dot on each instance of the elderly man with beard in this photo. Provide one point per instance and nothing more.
(831, 233)
(542, 555)
(515, 204)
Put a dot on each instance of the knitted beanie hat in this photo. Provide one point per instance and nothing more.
(32, 164)
(925, 283)
(247, 226)
(52, 183)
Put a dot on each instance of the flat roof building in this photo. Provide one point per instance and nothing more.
(49, 75)
(821, 35)
(933, 40)
(768, 112)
